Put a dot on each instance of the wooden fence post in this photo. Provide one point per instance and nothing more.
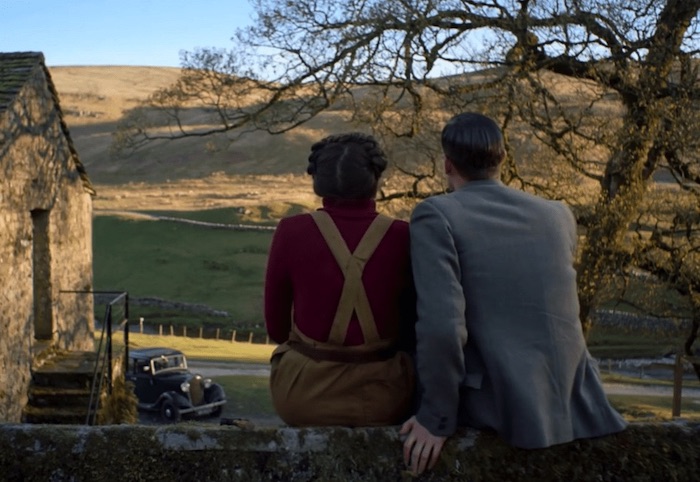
(250, 337)
(160, 330)
(217, 333)
(677, 385)
(200, 331)
(233, 336)
(172, 331)
(141, 325)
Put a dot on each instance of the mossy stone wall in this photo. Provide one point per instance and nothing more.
(643, 452)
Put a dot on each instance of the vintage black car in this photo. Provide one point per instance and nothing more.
(163, 383)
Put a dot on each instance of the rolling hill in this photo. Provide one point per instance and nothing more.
(187, 174)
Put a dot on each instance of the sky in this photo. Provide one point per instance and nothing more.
(119, 32)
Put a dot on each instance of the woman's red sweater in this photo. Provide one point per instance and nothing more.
(303, 279)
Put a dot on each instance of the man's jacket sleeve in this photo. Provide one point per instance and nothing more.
(440, 329)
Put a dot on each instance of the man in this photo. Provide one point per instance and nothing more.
(499, 341)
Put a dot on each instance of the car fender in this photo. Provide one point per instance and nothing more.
(176, 398)
(215, 393)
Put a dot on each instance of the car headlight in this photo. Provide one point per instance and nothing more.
(206, 382)
(185, 386)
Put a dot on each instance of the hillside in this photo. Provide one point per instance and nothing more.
(185, 174)
(199, 173)
(196, 173)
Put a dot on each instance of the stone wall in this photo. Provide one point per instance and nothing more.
(648, 325)
(188, 451)
(45, 240)
(71, 258)
(15, 314)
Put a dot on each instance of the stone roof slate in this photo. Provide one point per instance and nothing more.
(16, 68)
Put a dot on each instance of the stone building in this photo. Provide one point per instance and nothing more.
(45, 229)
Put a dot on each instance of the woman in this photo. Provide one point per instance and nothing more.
(339, 298)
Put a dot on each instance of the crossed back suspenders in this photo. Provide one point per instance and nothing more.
(353, 297)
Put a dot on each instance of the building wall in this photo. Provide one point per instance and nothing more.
(39, 185)
(71, 264)
(16, 331)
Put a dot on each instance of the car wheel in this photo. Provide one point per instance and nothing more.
(169, 412)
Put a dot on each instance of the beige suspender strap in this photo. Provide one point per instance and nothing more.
(353, 297)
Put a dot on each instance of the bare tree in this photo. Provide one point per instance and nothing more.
(598, 99)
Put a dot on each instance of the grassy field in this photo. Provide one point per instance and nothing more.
(202, 349)
(247, 397)
(619, 343)
(643, 408)
(222, 269)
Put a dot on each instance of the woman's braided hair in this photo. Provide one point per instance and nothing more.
(347, 166)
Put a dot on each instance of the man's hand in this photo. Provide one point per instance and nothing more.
(421, 449)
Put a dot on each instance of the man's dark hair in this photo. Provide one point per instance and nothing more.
(474, 145)
(346, 166)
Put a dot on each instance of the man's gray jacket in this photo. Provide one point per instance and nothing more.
(499, 341)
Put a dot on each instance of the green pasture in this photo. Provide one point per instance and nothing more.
(247, 397)
(267, 215)
(200, 349)
(220, 268)
(625, 343)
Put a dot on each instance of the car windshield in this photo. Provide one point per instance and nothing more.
(169, 362)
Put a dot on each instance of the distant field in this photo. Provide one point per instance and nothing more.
(202, 349)
(619, 343)
(222, 269)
